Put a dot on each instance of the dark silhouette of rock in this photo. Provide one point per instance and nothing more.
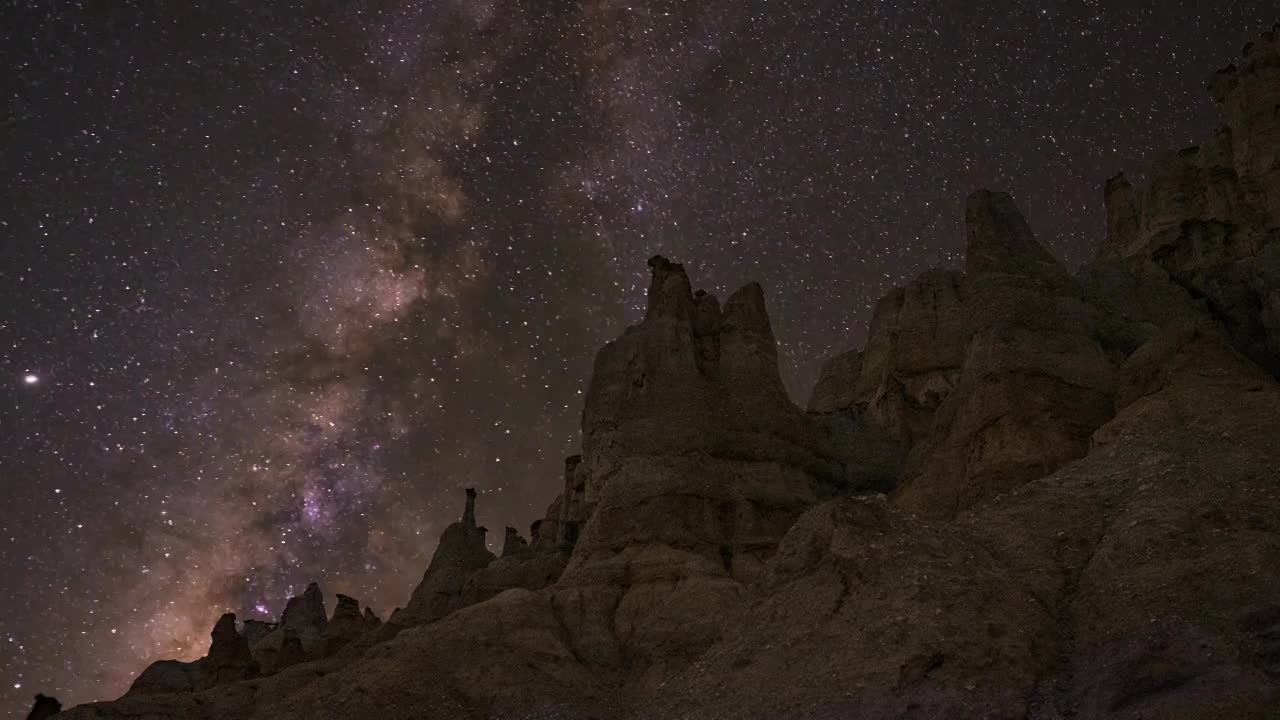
(255, 630)
(566, 514)
(304, 619)
(166, 676)
(229, 659)
(292, 651)
(347, 624)
(460, 553)
(512, 543)
(45, 707)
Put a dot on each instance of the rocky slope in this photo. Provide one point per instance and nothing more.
(1032, 494)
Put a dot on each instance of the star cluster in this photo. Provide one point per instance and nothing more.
(280, 279)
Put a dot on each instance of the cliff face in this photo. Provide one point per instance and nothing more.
(1031, 495)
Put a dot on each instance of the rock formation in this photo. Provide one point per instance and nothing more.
(460, 553)
(1086, 523)
(256, 630)
(347, 624)
(229, 659)
(1208, 215)
(1034, 382)
(911, 360)
(304, 620)
(45, 707)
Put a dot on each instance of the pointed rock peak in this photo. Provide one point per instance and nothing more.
(748, 355)
(305, 610)
(512, 543)
(745, 310)
(371, 618)
(1001, 241)
(469, 512)
(670, 294)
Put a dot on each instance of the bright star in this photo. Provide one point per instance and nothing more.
(31, 379)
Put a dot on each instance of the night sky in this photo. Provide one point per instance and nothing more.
(280, 279)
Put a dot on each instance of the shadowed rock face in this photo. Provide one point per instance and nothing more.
(911, 361)
(694, 463)
(1087, 525)
(1034, 382)
(255, 630)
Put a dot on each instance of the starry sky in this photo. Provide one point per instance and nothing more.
(278, 280)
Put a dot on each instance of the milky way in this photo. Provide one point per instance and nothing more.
(280, 280)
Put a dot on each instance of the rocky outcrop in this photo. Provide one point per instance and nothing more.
(255, 630)
(1137, 581)
(1087, 524)
(347, 624)
(1131, 583)
(836, 382)
(1034, 383)
(512, 543)
(460, 553)
(300, 634)
(229, 659)
(566, 515)
(910, 363)
(1209, 216)
(528, 570)
(166, 676)
(694, 464)
(44, 707)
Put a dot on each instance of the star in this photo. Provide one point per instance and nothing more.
(31, 379)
